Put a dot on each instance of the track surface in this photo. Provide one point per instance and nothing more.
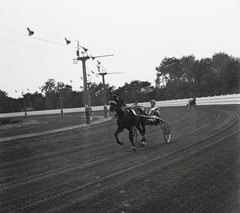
(85, 170)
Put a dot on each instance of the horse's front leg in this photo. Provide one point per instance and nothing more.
(119, 130)
(130, 130)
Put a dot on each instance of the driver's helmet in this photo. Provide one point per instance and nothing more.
(153, 103)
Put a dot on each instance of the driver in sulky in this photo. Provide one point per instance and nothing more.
(153, 109)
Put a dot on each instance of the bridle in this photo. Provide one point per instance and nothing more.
(117, 103)
(113, 102)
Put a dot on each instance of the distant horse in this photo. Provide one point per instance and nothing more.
(192, 104)
(127, 119)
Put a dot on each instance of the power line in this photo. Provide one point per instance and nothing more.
(34, 32)
(52, 42)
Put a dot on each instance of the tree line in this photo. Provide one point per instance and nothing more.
(188, 77)
(176, 78)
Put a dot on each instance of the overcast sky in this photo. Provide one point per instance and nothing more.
(139, 33)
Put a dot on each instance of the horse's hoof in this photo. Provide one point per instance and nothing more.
(143, 143)
(120, 142)
(133, 148)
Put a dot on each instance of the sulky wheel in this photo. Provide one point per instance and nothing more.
(166, 131)
(167, 137)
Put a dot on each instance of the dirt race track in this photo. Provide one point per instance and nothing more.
(85, 170)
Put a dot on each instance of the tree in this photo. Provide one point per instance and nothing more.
(135, 91)
(64, 92)
(8, 104)
(231, 76)
(49, 86)
(77, 99)
(96, 93)
(168, 69)
(49, 89)
(3, 102)
(37, 101)
(187, 77)
(204, 77)
(171, 71)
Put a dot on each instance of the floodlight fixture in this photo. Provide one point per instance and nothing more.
(67, 41)
(30, 32)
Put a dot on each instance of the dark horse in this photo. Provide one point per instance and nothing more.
(127, 119)
(192, 103)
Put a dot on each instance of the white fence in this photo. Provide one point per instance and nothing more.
(211, 100)
(49, 112)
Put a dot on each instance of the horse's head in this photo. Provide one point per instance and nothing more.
(114, 101)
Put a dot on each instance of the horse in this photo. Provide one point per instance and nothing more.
(192, 103)
(127, 119)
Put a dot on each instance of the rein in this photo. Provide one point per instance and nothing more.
(123, 107)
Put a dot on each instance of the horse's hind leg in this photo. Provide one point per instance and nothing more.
(119, 130)
(143, 128)
(142, 132)
(130, 130)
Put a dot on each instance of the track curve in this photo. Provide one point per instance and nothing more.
(85, 170)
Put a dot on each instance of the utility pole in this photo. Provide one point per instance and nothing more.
(86, 94)
(25, 110)
(89, 100)
(104, 94)
(61, 104)
(25, 107)
(83, 58)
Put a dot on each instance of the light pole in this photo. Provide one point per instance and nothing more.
(86, 94)
(25, 109)
(89, 100)
(104, 94)
(83, 58)
(61, 103)
(25, 106)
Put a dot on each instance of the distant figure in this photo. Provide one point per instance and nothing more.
(192, 103)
